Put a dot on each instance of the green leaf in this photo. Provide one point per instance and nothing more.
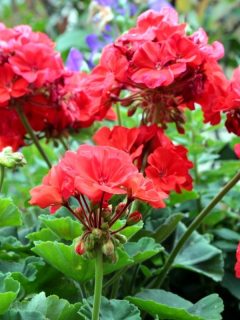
(111, 309)
(24, 270)
(64, 259)
(167, 305)
(44, 234)
(9, 289)
(142, 250)
(199, 256)
(65, 228)
(183, 196)
(227, 234)
(70, 39)
(41, 307)
(9, 213)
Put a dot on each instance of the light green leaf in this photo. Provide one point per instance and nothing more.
(65, 228)
(199, 255)
(41, 307)
(111, 309)
(44, 234)
(142, 250)
(64, 259)
(9, 213)
(9, 289)
(167, 305)
(183, 196)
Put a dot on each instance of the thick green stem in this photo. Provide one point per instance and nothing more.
(98, 285)
(30, 131)
(193, 226)
(2, 177)
(118, 114)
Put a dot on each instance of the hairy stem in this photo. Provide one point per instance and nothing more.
(30, 131)
(98, 284)
(193, 226)
(2, 177)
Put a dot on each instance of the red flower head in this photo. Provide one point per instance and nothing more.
(56, 188)
(237, 150)
(99, 169)
(169, 170)
(237, 265)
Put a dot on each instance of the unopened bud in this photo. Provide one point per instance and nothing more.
(80, 248)
(10, 159)
(105, 226)
(97, 233)
(121, 238)
(121, 208)
(108, 248)
(134, 218)
(131, 111)
(107, 213)
(89, 243)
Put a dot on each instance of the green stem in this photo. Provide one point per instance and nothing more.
(193, 226)
(2, 177)
(98, 284)
(118, 114)
(30, 131)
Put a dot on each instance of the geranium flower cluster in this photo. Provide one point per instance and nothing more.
(91, 176)
(33, 78)
(158, 67)
(153, 153)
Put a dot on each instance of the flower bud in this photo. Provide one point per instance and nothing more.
(80, 247)
(107, 213)
(108, 248)
(97, 233)
(10, 159)
(131, 110)
(121, 238)
(134, 218)
(89, 243)
(119, 209)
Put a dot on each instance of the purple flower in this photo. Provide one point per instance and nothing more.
(93, 42)
(74, 60)
(105, 2)
(158, 4)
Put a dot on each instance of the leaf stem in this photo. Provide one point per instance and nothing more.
(2, 177)
(30, 131)
(98, 284)
(118, 114)
(193, 226)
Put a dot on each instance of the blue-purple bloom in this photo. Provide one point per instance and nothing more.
(158, 4)
(74, 60)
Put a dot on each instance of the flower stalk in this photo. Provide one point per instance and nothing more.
(2, 169)
(98, 284)
(30, 131)
(193, 226)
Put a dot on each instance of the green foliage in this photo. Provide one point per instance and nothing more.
(41, 307)
(9, 289)
(111, 309)
(199, 256)
(9, 213)
(167, 305)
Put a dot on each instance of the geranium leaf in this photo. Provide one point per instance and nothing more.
(9, 289)
(111, 309)
(9, 213)
(167, 305)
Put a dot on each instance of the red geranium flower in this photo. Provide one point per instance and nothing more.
(237, 265)
(168, 170)
(56, 188)
(99, 169)
(10, 84)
